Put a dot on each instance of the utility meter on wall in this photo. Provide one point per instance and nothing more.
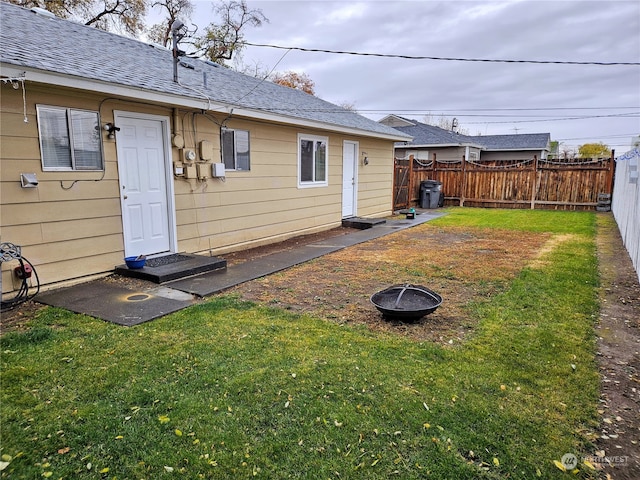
(189, 155)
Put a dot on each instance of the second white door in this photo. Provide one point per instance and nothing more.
(349, 178)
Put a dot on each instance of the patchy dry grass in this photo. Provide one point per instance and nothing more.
(462, 264)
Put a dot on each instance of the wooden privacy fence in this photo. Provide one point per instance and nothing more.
(559, 184)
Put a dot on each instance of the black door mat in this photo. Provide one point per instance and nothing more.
(362, 223)
(172, 267)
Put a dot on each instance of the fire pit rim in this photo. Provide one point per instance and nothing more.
(414, 313)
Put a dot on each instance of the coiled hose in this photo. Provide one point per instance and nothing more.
(9, 252)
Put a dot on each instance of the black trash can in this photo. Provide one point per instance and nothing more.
(430, 192)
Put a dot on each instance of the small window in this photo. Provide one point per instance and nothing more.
(312, 161)
(69, 139)
(235, 149)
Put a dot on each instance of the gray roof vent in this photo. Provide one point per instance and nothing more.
(43, 12)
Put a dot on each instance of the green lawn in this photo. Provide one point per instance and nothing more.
(227, 389)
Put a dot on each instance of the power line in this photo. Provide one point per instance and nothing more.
(449, 59)
(619, 115)
(457, 110)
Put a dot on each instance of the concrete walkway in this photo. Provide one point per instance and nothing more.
(110, 301)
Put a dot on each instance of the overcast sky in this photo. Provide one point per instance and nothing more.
(486, 98)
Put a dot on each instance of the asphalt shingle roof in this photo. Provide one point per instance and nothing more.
(424, 134)
(58, 46)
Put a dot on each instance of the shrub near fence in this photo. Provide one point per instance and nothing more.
(519, 183)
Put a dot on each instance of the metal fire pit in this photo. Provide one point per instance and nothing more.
(409, 302)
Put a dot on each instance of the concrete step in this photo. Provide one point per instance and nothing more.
(362, 223)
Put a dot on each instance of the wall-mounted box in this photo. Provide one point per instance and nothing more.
(203, 170)
(206, 150)
(190, 171)
(217, 170)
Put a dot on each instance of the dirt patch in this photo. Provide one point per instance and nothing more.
(460, 264)
(619, 358)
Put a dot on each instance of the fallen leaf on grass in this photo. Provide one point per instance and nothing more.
(559, 465)
(178, 432)
(3, 465)
(168, 469)
(496, 462)
(163, 419)
(64, 450)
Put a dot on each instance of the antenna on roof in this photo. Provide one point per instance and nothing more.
(176, 26)
(454, 125)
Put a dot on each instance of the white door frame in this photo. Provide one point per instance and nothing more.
(353, 171)
(166, 137)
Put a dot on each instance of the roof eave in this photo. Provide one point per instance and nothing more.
(138, 94)
(533, 149)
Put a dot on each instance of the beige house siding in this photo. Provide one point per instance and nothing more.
(70, 230)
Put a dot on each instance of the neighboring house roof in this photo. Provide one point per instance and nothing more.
(520, 141)
(431, 136)
(425, 135)
(61, 52)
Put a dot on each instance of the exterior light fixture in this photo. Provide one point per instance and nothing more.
(112, 129)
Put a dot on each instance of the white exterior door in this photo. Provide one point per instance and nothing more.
(146, 191)
(349, 178)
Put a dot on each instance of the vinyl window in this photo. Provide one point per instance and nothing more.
(235, 149)
(69, 139)
(313, 162)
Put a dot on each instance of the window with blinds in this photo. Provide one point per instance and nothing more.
(69, 139)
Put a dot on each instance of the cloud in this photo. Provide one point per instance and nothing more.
(569, 30)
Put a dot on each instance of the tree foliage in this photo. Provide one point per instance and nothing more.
(594, 150)
(297, 81)
(160, 33)
(221, 39)
(445, 123)
(114, 15)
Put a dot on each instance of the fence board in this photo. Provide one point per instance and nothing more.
(626, 206)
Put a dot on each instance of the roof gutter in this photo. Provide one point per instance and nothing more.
(172, 100)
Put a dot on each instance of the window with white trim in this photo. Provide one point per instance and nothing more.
(235, 149)
(69, 139)
(313, 165)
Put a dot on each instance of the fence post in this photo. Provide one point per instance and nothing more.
(410, 184)
(611, 172)
(463, 181)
